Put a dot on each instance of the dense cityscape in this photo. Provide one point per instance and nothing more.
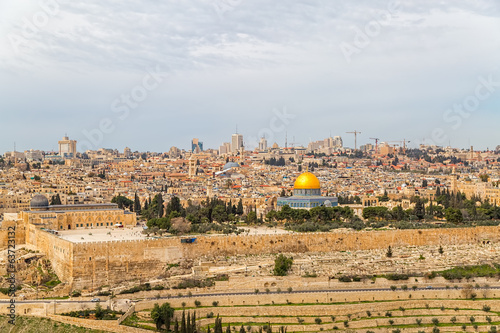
(249, 166)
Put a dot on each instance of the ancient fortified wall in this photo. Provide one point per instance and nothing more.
(104, 263)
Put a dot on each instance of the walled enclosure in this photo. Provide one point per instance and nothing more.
(94, 264)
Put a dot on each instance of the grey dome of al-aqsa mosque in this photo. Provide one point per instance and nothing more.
(39, 201)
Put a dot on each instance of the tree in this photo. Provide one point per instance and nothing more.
(137, 204)
(441, 251)
(282, 265)
(388, 254)
(99, 313)
(384, 198)
(55, 200)
(175, 206)
(162, 315)
(419, 210)
(159, 205)
(123, 202)
(251, 217)
(453, 215)
(424, 183)
(239, 210)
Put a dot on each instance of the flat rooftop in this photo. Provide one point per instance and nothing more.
(102, 234)
(117, 234)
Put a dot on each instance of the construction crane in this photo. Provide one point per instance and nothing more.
(355, 138)
(376, 144)
(403, 144)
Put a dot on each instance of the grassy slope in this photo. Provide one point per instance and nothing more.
(40, 325)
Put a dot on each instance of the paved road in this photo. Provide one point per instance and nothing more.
(249, 293)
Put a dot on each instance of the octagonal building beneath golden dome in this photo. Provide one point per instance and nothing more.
(307, 194)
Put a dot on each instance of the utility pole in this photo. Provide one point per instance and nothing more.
(355, 138)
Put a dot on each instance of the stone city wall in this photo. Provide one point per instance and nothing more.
(58, 251)
(96, 264)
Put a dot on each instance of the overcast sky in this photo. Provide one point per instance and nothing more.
(154, 74)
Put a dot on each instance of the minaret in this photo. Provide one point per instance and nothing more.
(192, 166)
(209, 189)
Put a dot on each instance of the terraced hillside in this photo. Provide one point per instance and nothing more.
(389, 315)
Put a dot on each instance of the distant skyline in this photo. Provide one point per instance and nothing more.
(151, 75)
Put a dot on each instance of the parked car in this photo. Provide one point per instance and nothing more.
(96, 299)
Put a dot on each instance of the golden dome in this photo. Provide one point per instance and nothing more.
(306, 181)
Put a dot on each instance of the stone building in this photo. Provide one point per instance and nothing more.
(68, 217)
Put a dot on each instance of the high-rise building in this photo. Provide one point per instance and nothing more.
(236, 143)
(196, 146)
(127, 152)
(225, 148)
(262, 144)
(67, 147)
(337, 142)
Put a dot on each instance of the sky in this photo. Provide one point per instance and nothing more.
(150, 75)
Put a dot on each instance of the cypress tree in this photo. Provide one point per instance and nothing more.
(137, 203)
(183, 322)
(239, 210)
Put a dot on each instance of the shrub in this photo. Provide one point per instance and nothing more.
(210, 315)
(317, 320)
(435, 321)
(197, 303)
(486, 308)
(345, 278)
(215, 303)
(282, 265)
